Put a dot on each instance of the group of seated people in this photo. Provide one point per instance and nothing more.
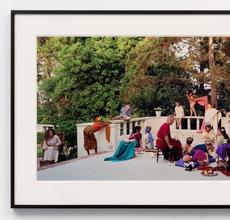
(213, 146)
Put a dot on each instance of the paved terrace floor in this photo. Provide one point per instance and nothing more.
(143, 167)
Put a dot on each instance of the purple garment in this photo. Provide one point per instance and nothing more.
(222, 150)
(199, 155)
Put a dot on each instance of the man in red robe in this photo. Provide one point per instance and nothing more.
(171, 148)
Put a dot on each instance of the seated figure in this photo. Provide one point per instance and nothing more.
(126, 150)
(125, 113)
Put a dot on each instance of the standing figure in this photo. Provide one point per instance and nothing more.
(90, 142)
(192, 101)
(179, 114)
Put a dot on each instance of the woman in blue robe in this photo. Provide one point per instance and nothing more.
(126, 149)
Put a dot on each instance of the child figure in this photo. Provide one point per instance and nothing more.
(187, 154)
(188, 146)
(179, 114)
(149, 138)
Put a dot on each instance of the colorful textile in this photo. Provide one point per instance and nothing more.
(90, 141)
(136, 136)
(223, 150)
(199, 155)
(203, 101)
(97, 126)
(176, 152)
(180, 163)
(201, 147)
(124, 151)
(162, 132)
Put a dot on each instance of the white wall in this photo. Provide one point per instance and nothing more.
(5, 7)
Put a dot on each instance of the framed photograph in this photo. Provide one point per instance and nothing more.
(120, 109)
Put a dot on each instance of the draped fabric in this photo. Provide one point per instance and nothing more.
(97, 126)
(90, 141)
(176, 151)
(213, 117)
(107, 132)
(223, 150)
(136, 136)
(124, 151)
(162, 132)
(203, 101)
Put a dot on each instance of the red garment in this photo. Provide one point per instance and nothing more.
(176, 152)
(203, 101)
(97, 126)
(162, 132)
(137, 136)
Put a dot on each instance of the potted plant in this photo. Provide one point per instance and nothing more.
(158, 111)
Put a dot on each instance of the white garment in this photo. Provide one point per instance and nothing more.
(219, 140)
(179, 112)
(51, 148)
(209, 136)
(213, 117)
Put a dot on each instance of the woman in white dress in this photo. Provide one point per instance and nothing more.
(51, 146)
(179, 114)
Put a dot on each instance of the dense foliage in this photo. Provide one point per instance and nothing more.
(81, 76)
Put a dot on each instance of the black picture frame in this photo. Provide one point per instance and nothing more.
(14, 13)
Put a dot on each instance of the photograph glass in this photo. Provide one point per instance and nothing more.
(133, 108)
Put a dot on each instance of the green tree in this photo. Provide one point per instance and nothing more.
(84, 80)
